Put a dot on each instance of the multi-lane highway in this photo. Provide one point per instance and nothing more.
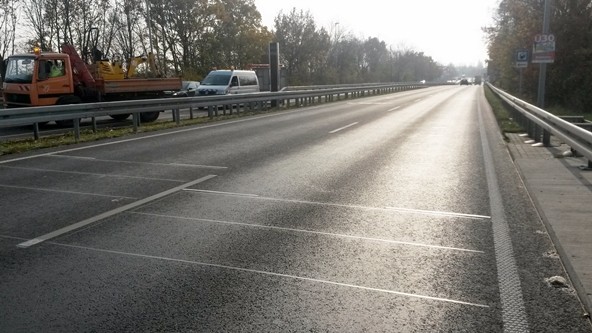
(392, 213)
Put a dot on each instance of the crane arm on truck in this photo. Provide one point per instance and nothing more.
(81, 74)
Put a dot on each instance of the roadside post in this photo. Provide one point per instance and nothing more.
(543, 53)
(521, 63)
(274, 67)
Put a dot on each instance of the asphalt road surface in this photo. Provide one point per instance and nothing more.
(392, 213)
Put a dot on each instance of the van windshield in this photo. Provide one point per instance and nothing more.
(19, 70)
(216, 79)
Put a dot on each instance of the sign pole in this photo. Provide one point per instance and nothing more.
(521, 63)
(274, 67)
(520, 83)
(543, 66)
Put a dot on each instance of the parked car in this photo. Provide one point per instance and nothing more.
(188, 88)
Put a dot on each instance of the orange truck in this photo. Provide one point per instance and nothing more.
(42, 79)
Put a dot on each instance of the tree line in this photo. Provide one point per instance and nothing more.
(190, 37)
(569, 78)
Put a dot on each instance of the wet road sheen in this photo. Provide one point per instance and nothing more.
(365, 215)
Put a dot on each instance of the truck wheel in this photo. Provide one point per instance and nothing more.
(148, 117)
(120, 116)
(65, 100)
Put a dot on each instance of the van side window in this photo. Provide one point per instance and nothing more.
(248, 80)
(234, 81)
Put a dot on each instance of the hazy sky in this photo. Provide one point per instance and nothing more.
(447, 30)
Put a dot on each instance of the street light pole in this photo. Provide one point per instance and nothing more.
(335, 32)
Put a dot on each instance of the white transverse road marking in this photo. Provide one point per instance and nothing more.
(110, 213)
(304, 231)
(295, 277)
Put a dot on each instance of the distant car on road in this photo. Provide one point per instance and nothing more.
(464, 82)
(188, 88)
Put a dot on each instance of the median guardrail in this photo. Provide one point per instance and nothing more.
(540, 125)
(250, 102)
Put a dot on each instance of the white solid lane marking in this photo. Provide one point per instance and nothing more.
(153, 136)
(403, 210)
(66, 192)
(75, 157)
(366, 103)
(141, 163)
(90, 173)
(260, 226)
(393, 109)
(287, 276)
(222, 193)
(198, 166)
(344, 127)
(512, 302)
(441, 213)
(110, 213)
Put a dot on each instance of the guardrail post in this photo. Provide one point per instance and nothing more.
(537, 133)
(546, 138)
(36, 131)
(77, 129)
(94, 124)
(530, 128)
(190, 112)
(136, 121)
(177, 113)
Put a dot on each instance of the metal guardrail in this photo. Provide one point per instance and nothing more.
(346, 85)
(540, 125)
(252, 102)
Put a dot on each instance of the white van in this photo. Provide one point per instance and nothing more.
(222, 82)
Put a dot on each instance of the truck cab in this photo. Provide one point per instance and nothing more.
(44, 79)
(37, 79)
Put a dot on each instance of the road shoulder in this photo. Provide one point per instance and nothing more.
(562, 193)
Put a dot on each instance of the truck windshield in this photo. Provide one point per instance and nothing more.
(216, 79)
(19, 70)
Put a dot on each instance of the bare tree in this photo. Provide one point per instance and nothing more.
(8, 21)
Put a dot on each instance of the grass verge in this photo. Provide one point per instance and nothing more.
(504, 118)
